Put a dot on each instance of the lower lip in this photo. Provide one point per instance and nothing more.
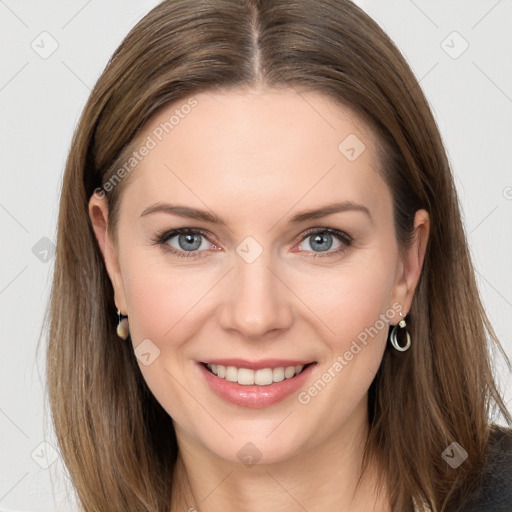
(255, 396)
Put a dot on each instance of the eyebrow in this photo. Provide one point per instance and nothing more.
(208, 216)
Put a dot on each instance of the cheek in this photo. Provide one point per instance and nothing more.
(164, 306)
(162, 298)
(353, 304)
(357, 311)
(350, 299)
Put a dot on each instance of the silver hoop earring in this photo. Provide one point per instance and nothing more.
(123, 330)
(394, 340)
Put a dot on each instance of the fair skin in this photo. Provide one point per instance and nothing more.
(256, 159)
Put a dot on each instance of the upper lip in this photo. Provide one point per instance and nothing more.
(258, 365)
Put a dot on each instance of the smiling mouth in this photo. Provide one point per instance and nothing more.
(248, 377)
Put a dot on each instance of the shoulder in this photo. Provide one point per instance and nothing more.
(494, 490)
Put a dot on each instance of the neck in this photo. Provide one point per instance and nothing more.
(323, 477)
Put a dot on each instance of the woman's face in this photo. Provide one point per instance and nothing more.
(261, 282)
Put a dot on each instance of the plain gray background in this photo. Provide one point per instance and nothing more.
(460, 51)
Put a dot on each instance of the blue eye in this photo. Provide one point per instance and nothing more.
(189, 243)
(321, 241)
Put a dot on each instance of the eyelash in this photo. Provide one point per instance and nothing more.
(164, 237)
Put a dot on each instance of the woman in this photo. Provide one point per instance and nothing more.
(263, 294)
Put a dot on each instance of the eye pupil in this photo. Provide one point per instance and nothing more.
(188, 238)
(320, 238)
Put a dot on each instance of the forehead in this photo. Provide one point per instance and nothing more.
(263, 146)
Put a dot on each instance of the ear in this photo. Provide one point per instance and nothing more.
(98, 213)
(409, 268)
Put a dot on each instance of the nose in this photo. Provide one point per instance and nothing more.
(258, 300)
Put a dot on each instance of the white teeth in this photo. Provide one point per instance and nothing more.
(278, 374)
(289, 372)
(263, 377)
(247, 377)
(231, 373)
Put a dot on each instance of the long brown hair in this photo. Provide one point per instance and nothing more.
(117, 442)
